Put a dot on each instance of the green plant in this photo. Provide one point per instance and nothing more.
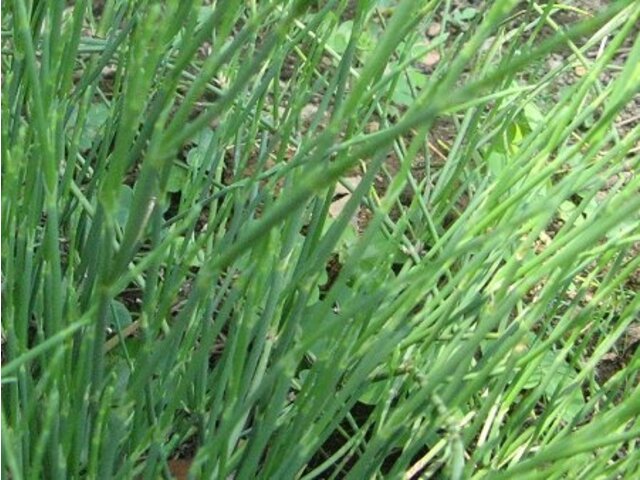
(167, 230)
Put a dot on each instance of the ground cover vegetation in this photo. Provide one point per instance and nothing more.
(318, 240)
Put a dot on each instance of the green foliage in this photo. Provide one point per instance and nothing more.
(178, 280)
